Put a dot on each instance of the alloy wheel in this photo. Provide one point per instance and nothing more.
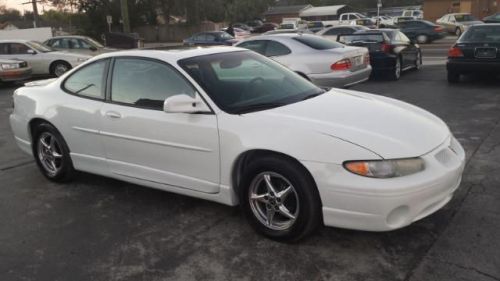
(273, 201)
(60, 69)
(397, 70)
(49, 153)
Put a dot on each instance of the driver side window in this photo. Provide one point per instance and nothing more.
(146, 83)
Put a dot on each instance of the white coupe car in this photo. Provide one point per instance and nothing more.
(325, 63)
(229, 125)
(42, 59)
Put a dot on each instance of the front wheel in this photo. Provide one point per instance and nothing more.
(52, 154)
(418, 61)
(422, 39)
(59, 68)
(280, 199)
(458, 31)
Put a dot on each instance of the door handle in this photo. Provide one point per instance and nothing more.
(114, 115)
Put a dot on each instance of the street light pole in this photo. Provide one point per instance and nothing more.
(35, 12)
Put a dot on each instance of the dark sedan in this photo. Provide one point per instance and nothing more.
(268, 26)
(211, 38)
(422, 31)
(391, 52)
(476, 51)
(492, 19)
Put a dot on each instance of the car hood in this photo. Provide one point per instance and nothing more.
(387, 127)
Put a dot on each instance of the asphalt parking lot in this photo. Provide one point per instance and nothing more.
(96, 228)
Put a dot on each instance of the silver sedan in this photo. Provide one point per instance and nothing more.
(325, 63)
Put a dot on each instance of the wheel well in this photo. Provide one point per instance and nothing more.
(53, 64)
(248, 157)
(303, 75)
(34, 123)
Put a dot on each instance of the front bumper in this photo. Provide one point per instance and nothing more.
(341, 79)
(472, 66)
(15, 74)
(356, 202)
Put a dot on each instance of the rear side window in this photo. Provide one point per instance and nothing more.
(317, 43)
(146, 83)
(256, 46)
(275, 49)
(87, 81)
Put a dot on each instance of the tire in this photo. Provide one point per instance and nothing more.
(52, 154)
(302, 200)
(58, 68)
(453, 77)
(396, 72)
(418, 61)
(422, 39)
(458, 31)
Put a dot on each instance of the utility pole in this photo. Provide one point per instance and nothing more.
(35, 11)
(125, 19)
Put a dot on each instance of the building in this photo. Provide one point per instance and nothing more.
(391, 11)
(325, 13)
(277, 13)
(434, 9)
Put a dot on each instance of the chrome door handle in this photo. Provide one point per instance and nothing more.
(114, 115)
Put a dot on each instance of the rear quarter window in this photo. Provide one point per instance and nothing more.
(317, 43)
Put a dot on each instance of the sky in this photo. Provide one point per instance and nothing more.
(17, 4)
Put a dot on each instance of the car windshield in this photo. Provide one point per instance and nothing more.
(243, 82)
(482, 34)
(94, 43)
(39, 47)
(462, 18)
(317, 42)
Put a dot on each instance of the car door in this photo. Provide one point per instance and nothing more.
(279, 52)
(144, 142)
(80, 116)
(450, 24)
(409, 51)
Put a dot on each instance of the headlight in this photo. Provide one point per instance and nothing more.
(385, 168)
(81, 59)
(10, 65)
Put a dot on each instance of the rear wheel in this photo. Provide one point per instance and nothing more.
(453, 77)
(52, 154)
(458, 31)
(280, 199)
(58, 68)
(422, 39)
(396, 72)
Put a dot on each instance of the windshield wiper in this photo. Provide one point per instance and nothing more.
(257, 107)
(84, 88)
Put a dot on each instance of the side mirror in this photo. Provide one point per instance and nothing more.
(31, 52)
(185, 104)
(92, 48)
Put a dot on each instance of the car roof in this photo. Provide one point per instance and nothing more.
(69, 36)
(15, 41)
(172, 55)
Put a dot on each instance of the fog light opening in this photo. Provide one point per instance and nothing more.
(398, 217)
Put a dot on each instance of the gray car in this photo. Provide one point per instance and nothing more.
(78, 44)
(457, 23)
(323, 62)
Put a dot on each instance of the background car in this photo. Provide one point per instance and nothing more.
(42, 59)
(242, 26)
(495, 18)
(288, 31)
(422, 31)
(210, 38)
(315, 26)
(365, 22)
(383, 21)
(331, 33)
(321, 61)
(457, 23)
(265, 27)
(14, 70)
(391, 52)
(476, 51)
(78, 44)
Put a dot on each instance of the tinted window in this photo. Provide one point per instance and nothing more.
(4, 50)
(276, 49)
(482, 34)
(462, 18)
(317, 43)
(18, 49)
(337, 31)
(199, 37)
(256, 46)
(146, 83)
(87, 81)
(209, 37)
